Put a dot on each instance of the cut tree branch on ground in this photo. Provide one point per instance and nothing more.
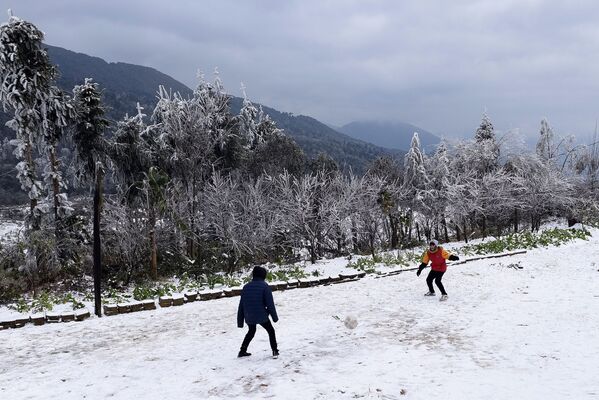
(513, 253)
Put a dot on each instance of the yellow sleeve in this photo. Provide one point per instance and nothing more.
(425, 258)
(444, 253)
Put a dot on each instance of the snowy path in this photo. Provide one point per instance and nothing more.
(503, 334)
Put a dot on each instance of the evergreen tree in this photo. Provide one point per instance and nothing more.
(485, 131)
(415, 176)
(415, 180)
(486, 149)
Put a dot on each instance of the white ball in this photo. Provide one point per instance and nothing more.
(350, 322)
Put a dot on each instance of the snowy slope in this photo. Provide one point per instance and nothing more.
(503, 334)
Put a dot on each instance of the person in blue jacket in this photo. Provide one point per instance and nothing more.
(255, 305)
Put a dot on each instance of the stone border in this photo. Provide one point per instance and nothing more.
(175, 300)
(43, 318)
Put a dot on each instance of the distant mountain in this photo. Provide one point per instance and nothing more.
(124, 85)
(395, 135)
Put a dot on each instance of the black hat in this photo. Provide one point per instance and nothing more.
(259, 273)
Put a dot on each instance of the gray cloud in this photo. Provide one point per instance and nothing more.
(436, 64)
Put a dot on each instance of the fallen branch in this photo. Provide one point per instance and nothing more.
(399, 271)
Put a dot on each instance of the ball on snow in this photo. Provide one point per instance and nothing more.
(350, 322)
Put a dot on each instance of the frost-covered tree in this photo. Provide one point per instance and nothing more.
(546, 149)
(462, 200)
(136, 158)
(262, 223)
(415, 176)
(485, 148)
(370, 217)
(390, 197)
(90, 157)
(415, 179)
(196, 137)
(307, 212)
(542, 190)
(437, 167)
(26, 77)
(223, 220)
(60, 114)
(248, 123)
(485, 131)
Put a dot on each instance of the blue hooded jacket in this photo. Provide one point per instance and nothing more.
(256, 303)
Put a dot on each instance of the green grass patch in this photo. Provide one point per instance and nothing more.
(526, 240)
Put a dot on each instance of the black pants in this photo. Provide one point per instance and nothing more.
(252, 331)
(436, 276)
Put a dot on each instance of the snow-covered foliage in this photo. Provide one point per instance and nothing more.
(88, 133)
(26, 78)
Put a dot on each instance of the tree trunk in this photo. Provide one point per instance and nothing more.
(410, 226)
(35, 222)
(97, 253)
(393, 225)
(371, 239)
(354, 236)
(152, 239)
(457, 232)
(515, 220)
(418, 231)
(465, 230)
(312, 252)
(444, 223)
(484, 227)
(55, 183)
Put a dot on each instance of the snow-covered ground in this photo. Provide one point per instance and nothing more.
(9, 230)
(505, 333)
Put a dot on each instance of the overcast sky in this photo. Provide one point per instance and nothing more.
(437, 64)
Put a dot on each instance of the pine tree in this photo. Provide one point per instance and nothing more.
(415, 180)
(485, 148)
(415, 177)
(485, 131)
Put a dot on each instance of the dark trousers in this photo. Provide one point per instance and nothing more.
(252, 331)
(436, 276)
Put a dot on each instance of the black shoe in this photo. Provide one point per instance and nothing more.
(275, 354)
(243, 353)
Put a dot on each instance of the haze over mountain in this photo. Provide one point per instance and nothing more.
(395, 135)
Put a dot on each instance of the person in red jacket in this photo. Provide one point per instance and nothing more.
(437, 256)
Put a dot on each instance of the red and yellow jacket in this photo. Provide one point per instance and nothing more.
(436, 258)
